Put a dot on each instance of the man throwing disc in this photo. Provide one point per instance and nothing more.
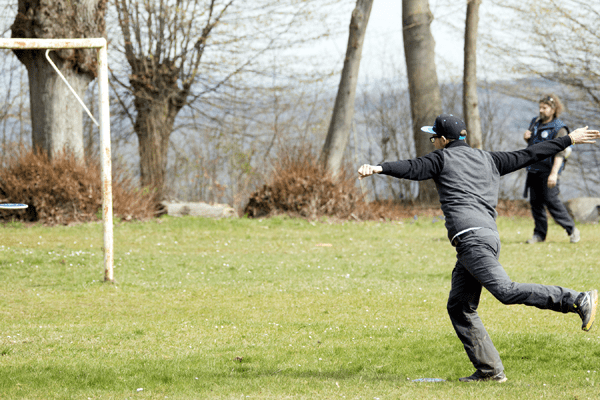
(467, 182)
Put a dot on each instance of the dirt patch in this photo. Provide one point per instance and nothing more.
(402, 210)
(514, 208)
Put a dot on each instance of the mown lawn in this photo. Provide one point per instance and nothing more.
(278, 308)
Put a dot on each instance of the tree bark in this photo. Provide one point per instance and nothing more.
(423, 87)
(153, 126)
(470, 100)
(57, 116)
(343, 111)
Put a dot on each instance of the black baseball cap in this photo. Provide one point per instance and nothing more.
(447, 125)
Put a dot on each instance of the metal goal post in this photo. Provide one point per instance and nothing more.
(104, 124)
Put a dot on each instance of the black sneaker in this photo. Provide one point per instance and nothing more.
(585, 305)
(481, 377)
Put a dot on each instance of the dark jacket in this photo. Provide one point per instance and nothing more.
(468, 179)
(540, 133)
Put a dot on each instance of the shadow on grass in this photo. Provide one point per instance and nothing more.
(177, 373)
(523, 355)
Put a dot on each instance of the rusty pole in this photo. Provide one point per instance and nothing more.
(107, 211)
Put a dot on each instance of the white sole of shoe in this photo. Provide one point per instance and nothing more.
(594, 301)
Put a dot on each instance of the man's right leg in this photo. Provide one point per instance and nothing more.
(479, 253)
(537, 203)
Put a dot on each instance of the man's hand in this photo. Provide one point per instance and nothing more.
(552, 180)
(368, 170)
(527, 135)
(583, 135)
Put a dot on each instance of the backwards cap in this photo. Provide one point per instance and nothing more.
(447, 125)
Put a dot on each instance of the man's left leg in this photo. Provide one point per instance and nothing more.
(538, 211)
(462, 309)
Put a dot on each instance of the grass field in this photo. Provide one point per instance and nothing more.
(260, 309)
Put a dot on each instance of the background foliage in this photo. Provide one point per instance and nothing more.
(224, 145)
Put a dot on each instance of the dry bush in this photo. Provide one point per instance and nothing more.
(300, 187)
(130, 202)
(64, 190)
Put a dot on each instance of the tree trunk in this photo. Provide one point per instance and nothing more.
(57, 116)
(423, 87)
(343, 111)
(470, 102)
(153, 126)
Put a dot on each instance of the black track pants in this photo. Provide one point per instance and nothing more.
(477, 266)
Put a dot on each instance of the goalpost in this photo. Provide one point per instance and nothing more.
(104, 124)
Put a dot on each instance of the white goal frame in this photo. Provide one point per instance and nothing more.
(104, 125)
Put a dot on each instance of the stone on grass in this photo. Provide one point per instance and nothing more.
(584, 209)
(200, 210)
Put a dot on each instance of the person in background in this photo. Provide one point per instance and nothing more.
(542, 177)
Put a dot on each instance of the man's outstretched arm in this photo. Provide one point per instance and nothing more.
(415, 169)
(510, 161)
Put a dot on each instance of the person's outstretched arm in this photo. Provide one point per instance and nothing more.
(416, 169)
(510, 161)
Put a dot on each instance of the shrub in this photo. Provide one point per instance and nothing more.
(301, 187)
(64, 190)
(130, 202)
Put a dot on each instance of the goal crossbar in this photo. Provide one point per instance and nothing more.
(105, 153)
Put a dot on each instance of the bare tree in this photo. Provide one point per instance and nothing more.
(57, 116)
(384, 118)
(193, 53)
(470, 102)
(555, 44)
(425, 100)
(164, 51)
(343, 111)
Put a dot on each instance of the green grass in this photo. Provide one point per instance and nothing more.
(238, 309)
